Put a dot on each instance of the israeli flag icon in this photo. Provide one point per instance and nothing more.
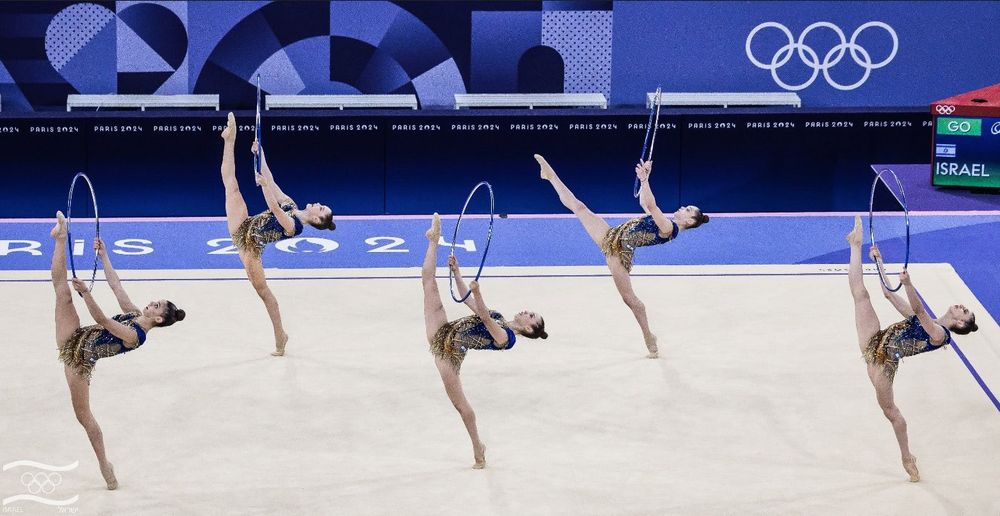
(945, 150)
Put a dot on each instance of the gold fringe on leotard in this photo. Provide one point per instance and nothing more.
(883, 347)
(622, 240)
(453, 338)
(80, 353)
(251, 235)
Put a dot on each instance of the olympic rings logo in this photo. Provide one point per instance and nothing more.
(811, 58)
(944, 109)
(47, 484)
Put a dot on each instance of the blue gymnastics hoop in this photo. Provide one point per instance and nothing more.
(69, 219)
(871, 225)
(454, 239)
(258, 158)
(651, 125)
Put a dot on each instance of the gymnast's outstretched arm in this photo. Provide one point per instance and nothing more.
(647, 201)
(463, 289)
(274, 196)
(929, 325)
(112, 277)
(476, 303)
(128, 335)
(266, 172)
(897, 301)
(479, 307)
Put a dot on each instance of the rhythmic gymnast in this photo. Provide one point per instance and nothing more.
(449, 341)
(883, 349)
(81, 347)
(283, 219)
(618, 243)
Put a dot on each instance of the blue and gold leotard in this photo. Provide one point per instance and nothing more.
(90, 343)
(622, 239)
(262, 229)
(454, 338)
(903, 339)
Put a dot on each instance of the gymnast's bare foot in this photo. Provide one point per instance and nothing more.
(480, 454)
(910, 465)
(435, 231)
(546, 172)
(229, 133)
(109, 477)
(654, 352)
(279, 346)
(856, 234)
(59, 230)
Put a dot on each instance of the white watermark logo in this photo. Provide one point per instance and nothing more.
(995, 130)
(40, 481)
(306, 245)
(811, 58)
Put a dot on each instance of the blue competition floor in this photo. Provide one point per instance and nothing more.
(967, 241)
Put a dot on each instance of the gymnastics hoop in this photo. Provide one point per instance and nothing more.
(654, 125)
(69, 219)
(906, 216)
(259, 157)
(454, 238)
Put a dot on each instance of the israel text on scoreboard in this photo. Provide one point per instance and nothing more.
(967, 140)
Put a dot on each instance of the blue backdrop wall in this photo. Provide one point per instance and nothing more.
(418, 162)
(831, 53)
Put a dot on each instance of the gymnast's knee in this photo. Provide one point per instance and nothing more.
(260, 285)
(633, 301)
(891, 412)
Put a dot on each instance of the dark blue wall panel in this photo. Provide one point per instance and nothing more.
(375, 163)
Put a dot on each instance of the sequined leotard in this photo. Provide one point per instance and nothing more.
(454, 338)
(622, 239)
(903, 339)
(256, 232)
(82, 350)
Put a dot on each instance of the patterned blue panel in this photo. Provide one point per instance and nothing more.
(577, 5)
(160, 28)
(311, 58)
(80, 45)
(278, 75)
(348, 59)
(208, 24)
(72, 29)
(177, 83)
(583, 38)
(413, 45)
(230, 67)
(5, 75)
(382, 74)
(498, 40)
(363, 21)
(135, 55)
(437, 87)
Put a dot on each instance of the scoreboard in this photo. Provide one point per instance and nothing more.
(966, 150)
